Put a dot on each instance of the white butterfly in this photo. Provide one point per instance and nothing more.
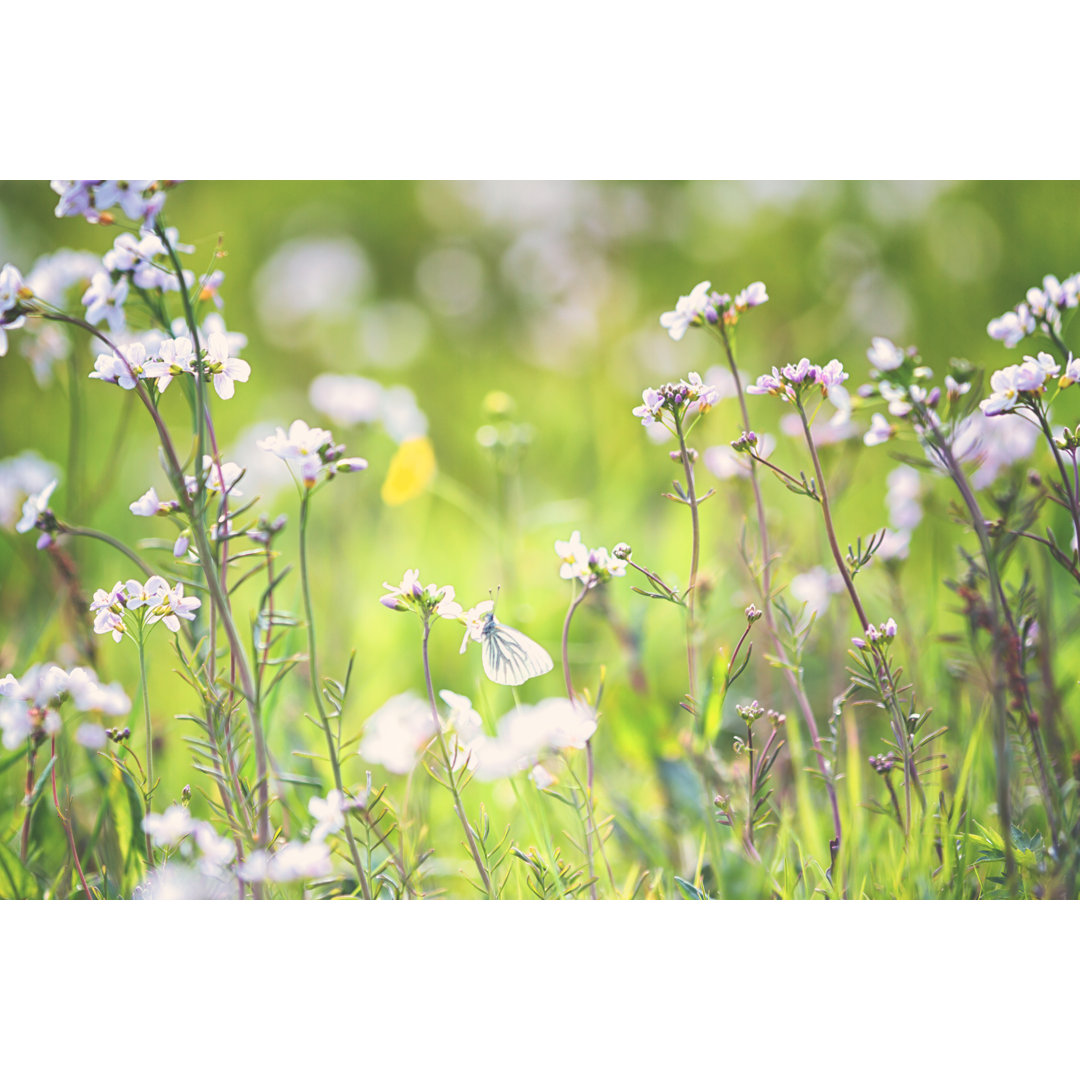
(510, 658)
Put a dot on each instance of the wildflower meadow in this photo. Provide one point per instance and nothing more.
(563, 541)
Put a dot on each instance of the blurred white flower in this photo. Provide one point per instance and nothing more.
(329, 814)
(815, 587)
(902, 498)
(169, 828)
(395, 734)
(311, 277)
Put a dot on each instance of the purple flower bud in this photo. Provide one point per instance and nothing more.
(44, 541)
(181, 546)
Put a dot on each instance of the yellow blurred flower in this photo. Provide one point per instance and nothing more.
(411, 470)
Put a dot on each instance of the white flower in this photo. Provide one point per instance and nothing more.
(687, 311)
(1006, 386)
(176, 356)
(303, 445)
(34, 507)
(574, 558)
(171, 606)
(329, 814)
(224, 368)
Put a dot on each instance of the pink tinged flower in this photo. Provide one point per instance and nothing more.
(1072, 372)
(767, 384)
(75, 199)
(752, 296)
(687, 311)
(108, 621)
(705, 396)
(1012, 327)
(91, 736)
(209, 285)
(832, 374)
(11, 284)
(401, 597)
(888, 628)
(348, 465)
(148, 505)
(649, 412)
(880, 431)
(34, 507)
(225, 369)
(884, 355)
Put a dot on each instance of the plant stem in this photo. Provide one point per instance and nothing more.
(149, 738)
(695, 549)
(24, 841)
(313, 670)
(884, 676)
(67, 828)
(795, 683)
(574, 605)
(451, 781)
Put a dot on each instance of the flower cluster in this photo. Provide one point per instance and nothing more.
(151, 601)
(790, 381)
(706, 306)
(313, 452)
(876, 635)
(428, 601)
(138, 200)
(674, 401)
(1040, 310)
(590, 566)
(29, 708)
(172, 357)
(1020, 384)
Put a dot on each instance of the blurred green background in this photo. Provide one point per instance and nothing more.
(550, 293)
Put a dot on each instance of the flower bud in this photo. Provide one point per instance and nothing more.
(752, 614)
(180, 548)
(621, 551)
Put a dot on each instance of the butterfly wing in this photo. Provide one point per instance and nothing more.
(510, 658)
